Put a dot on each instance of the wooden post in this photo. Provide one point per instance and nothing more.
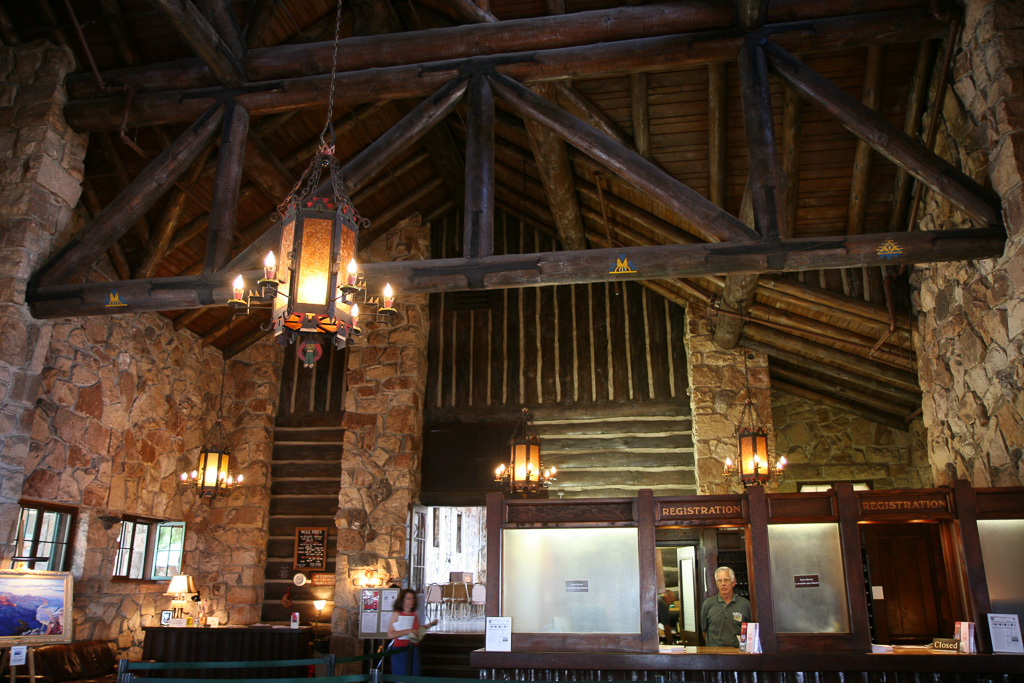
(641, 117)
(705, 216)
(759, 560)
(224, 210)
(764, 181)
(716, 133)
(853, 565)
(648, 578)
(132, 202)
(974, 561)
(478, 228)
(976, 201)
(495, 510)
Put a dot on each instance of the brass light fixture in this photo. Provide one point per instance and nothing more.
(212, 475)
(525, 473)
(754, 465)
(317, 289)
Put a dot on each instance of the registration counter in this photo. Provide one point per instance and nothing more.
(827, 574)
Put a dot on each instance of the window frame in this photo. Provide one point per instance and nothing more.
(67, 517)
(126, 560)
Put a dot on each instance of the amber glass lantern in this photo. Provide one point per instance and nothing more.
(525, 472)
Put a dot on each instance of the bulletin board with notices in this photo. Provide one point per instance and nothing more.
(375, 608)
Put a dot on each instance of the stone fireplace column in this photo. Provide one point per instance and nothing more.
(717, 387)
(380, 467)
(41, 168)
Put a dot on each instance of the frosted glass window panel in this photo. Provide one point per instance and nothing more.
(688, 587)
(571, 580)
(1002, 549)
(798, 552)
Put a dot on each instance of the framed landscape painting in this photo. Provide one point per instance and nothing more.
(35, 607)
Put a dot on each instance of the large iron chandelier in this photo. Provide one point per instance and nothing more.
(317, 289)
(525, 473)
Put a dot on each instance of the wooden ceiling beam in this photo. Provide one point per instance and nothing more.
(123, 179)
(158, 246)
(359, 86)
(716, 133)
(224, 210)
(551, 156)
(712, 221)
(383, 222)
(871, 96)
(221, 17)
(259, 20)
(979, 203)
(266, 171)
(840, 391)
(93, 207)
(204, 40)
(574, 102)
(470, 12)
(551, 268)
(414, 47)
(640, 114)
(118, 216)
(792, 112)
(867, 413)
(478, 216)
(914, 111)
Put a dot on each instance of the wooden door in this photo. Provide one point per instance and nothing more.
(906, 561)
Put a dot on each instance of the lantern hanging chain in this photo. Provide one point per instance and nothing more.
(310, 178)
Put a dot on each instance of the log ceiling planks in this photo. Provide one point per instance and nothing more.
(667, 73)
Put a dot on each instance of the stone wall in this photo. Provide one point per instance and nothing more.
(717, 397)
(824, 444)
(41, 167)
(971, 314)
(125, 405)
(383, 422)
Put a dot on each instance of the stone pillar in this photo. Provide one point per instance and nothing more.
(41, 168)
(717, 397)
(380, 478)
(230, 556)
(971, 313)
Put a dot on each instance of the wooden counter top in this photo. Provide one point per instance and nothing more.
(731, 659)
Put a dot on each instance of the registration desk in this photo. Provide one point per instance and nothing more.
(227, 644)
(827, 575)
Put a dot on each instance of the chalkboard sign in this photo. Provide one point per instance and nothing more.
(311, 548)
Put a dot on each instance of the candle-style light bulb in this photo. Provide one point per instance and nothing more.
(781, 463)
(195, 474)
(353, 271)
(184, 477)
(355, 315)
(553, 471)
(239, 287)
(389, 296)
(728, 463)
(269, 266)
(238, 479)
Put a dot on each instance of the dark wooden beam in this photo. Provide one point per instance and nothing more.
(418, 80)
(204, 40)
(764, 182)
(383, 222)
(871, 95)
(716, 133)
(893, 421)
(840, 392)
(560, 267)
(268, 172)
(737, 290)
(244, 342)
(133, 202)
(751, 14)
(979, 203)
(573, 101)
(224, 211)
(172, 212)
(470, 12)
(792, 111)
(715, 223)
(478, 228)
(552, 160)
(122, 178)
(916, 96)
(7, 31)
(93, 207)
(259, 20)
(640, 114)
(220, 16)
(457, 42)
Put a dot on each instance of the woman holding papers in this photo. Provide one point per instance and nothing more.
(405, 629)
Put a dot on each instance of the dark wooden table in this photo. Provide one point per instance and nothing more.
(227, 644)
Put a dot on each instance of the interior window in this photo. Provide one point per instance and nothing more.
(44, 537)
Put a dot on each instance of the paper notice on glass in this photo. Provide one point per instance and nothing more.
(368, 623)
(387, 599)
(499, 634)
(1005, 631)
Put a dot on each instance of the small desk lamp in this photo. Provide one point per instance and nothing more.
(180, 588)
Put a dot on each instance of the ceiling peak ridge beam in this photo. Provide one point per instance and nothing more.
(204, 40)
(764, 181)
(175, 106)
(940, 176)
(715, 223)
(224, 209)
(428, 45)
(478, 217)
(133, 202)
(543, 269)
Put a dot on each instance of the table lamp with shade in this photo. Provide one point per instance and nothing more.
(180, 588)
(319, 604)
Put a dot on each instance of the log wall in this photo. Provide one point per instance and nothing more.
(602, 365)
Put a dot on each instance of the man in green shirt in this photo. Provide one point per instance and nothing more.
(722, 614)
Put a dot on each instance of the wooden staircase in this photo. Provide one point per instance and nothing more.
(305, 475)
